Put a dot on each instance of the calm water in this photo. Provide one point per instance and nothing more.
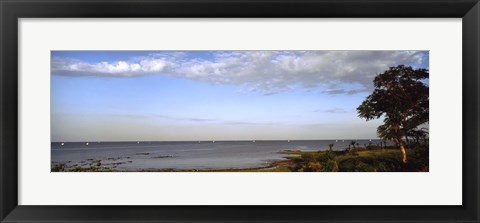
(135, 156)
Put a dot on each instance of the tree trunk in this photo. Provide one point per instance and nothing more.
(404, 154)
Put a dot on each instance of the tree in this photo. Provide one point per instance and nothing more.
(352, 143)
(384, 144)
(418, 134)
(330, 146)
(401, 96)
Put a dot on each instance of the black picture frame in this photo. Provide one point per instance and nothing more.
(12, 10)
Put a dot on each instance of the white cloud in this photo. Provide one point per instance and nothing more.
(267, 71)
(68, 67)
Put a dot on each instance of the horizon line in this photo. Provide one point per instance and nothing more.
(227, 140)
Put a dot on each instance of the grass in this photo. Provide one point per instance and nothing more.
(372, 159)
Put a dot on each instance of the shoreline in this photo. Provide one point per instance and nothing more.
(274, 164)
(359, 159)
(97, 165)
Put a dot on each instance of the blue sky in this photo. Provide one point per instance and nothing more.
(215, 95)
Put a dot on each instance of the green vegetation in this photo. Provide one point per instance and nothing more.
(360, 159)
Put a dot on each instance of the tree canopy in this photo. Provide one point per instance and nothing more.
(401, 96)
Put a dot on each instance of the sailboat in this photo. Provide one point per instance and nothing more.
(86, 144)
(62, 144)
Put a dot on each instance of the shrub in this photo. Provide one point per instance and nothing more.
(330, 146)
(330, 166)
(329, 155)
(364, 167)
(58, 167)
(347, 165)
(308, 157)
(313, 167)
(381, 167)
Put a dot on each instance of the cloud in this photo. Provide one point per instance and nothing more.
(159, 116)
(184, 119)
(67, 67)
(344, 91)
(199, 119)
(335, 110)
(266, 71)
(248, 123)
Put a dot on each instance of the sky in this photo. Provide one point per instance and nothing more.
(216, 95)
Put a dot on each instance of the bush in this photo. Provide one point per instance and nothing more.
(330, 147)
(347, 165)
(325, 156)
(330, 155)
(313, 167)
(308, 157)
(58, 167)
(364, 167)
(382, 167)
(330, 166)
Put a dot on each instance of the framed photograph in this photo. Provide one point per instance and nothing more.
(227, 111)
